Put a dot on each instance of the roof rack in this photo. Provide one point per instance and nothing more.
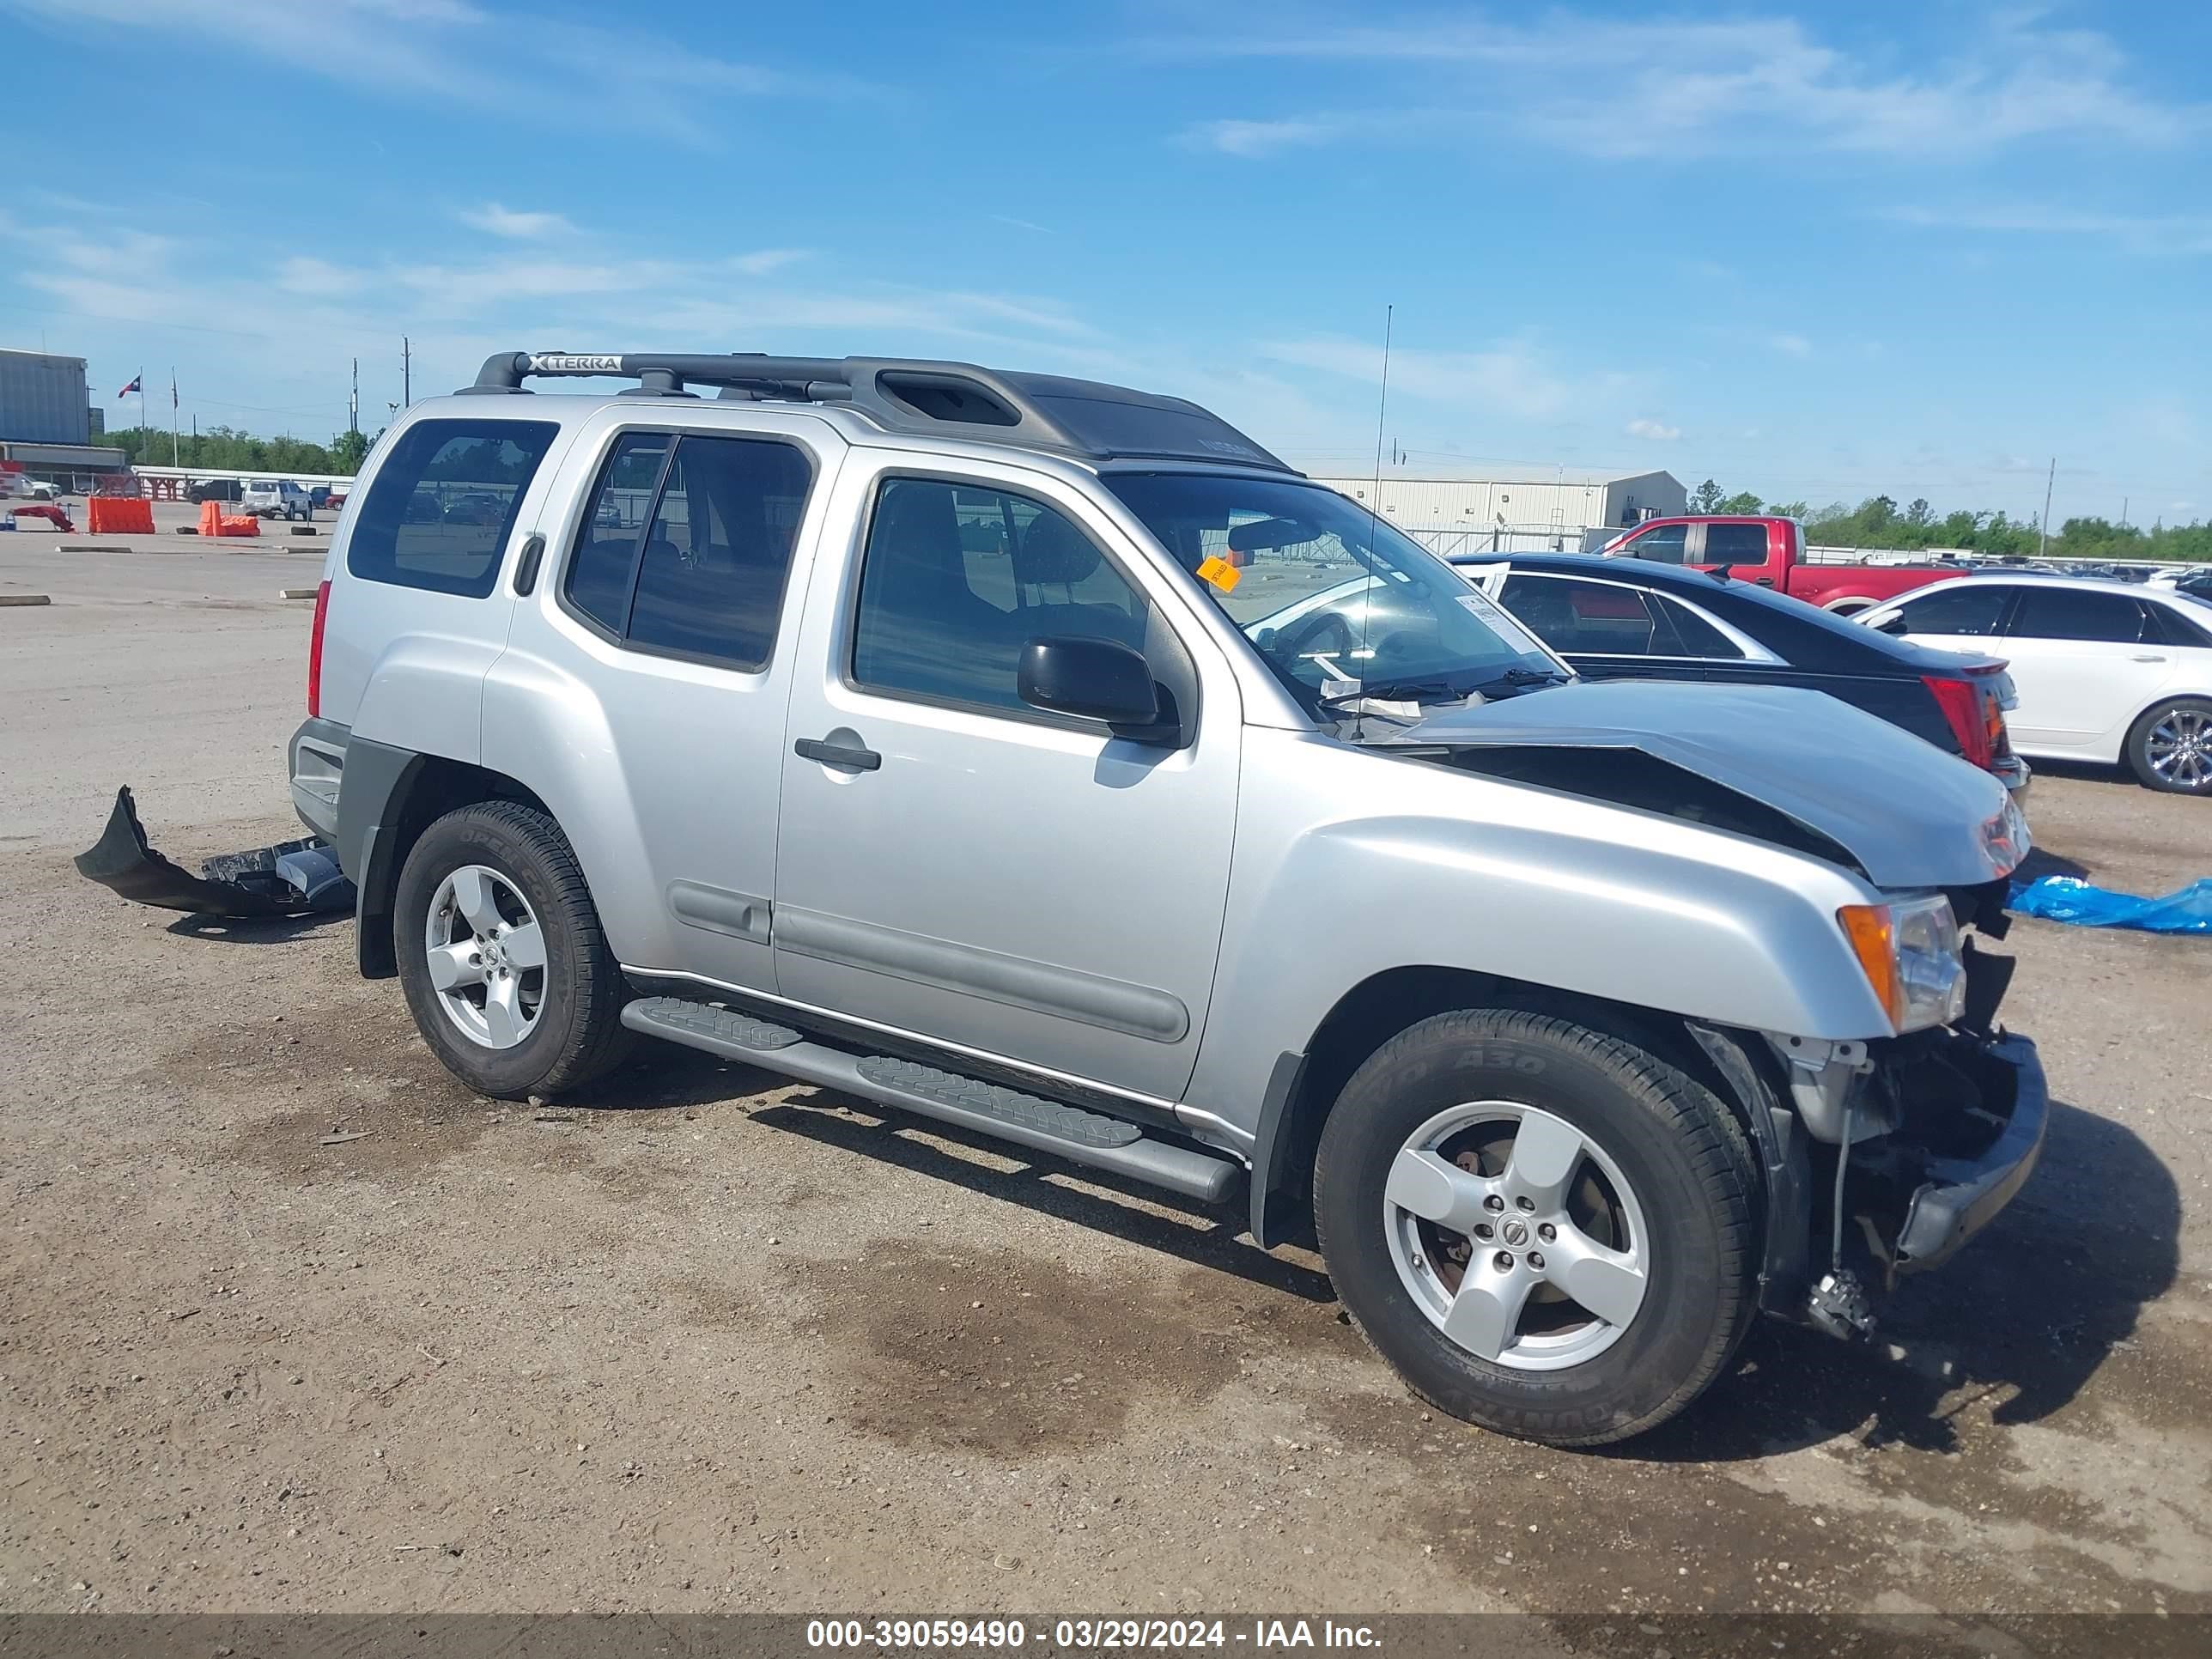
(1084, 418)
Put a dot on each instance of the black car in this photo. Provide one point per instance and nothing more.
(1633, 619)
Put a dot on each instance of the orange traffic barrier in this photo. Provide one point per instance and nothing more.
(119, 515)
(211, 518)
(247, 525)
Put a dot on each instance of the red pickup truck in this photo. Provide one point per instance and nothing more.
(1771, 552)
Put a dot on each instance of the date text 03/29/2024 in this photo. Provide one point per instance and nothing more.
(1080, 1634)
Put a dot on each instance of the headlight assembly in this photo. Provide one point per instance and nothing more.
(1909, 950)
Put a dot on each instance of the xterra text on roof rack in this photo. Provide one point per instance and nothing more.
(961, 740)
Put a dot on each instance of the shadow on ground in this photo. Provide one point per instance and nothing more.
(2026, 1313)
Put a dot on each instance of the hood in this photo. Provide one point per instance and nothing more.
(1905, 812)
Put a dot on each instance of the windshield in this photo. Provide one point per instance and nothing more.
(1333, 598)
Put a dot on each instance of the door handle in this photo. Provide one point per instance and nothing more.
(1763, 581)
(2147, 657)
(837, 754)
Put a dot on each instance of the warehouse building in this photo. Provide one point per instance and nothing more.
(47, 423)
(1514, 509)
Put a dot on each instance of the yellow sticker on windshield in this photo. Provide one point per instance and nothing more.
(1222, 573)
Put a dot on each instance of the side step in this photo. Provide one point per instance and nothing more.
(1044, 1125)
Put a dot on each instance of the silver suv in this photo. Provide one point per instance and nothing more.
(275, 498)
(1046, 758)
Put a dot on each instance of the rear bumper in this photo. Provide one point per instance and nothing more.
(2015, 774)
(318, 752)
(1963, 1195)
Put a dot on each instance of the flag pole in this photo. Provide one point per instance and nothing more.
(175, 443)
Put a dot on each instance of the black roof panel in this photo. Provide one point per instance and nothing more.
(1087, 419)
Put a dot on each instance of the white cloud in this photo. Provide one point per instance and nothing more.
(301, 275)
(1512, 377)
(1654, 430)
(459, 52)
(1674, 87)
(498, 221)
(766, 260)
(1256, 138)
(2172, 233)
(1791, 345)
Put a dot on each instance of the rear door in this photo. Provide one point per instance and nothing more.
(2084, 664)
(643, 688)
(1745, 549)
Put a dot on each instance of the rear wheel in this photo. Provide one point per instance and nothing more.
(1546, 1230)
(2171, 747)
(506, 969)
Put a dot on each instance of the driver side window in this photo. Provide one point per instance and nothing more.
(957, 578)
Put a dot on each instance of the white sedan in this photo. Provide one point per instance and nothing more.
(2105, 671)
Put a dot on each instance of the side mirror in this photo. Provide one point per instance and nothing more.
(1893, 623)
(1093, 679)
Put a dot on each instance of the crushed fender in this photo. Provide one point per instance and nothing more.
(292, 879)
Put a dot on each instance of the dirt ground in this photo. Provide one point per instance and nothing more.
(705, 1342)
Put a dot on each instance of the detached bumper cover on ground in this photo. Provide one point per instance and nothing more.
(292, 879)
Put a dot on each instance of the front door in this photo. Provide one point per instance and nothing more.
(956, 864)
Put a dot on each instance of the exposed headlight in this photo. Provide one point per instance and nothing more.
(2006, 839)
(1908, 948)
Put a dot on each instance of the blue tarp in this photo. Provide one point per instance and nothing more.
(2068, 898)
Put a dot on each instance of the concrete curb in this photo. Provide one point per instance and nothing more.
(26, 598)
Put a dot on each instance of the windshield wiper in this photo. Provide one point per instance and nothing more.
(1427, 691)
(1518, 678)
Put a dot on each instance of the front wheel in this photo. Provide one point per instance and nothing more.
(2171, 747)
(500, 954)
(1545, 1231)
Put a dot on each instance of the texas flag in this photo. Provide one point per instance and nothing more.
(134, 386)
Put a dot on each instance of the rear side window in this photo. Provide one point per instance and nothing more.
(687, 543)
(2066, 613)
(1956, 608)
(438, 515)
(1736, 544)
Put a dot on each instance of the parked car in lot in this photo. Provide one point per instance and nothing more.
(1770, 553)
(1578, 1021)
(2198, 581)
(214, 490)
(1627, 619)
(279, 499)
(477, 507)
(2103, 672)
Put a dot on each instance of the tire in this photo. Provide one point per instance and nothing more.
(1663, 1172)
(513, 859)
(2178, 734)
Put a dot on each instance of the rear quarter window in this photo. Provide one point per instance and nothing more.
(443, 503)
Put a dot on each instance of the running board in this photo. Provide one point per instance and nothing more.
(1030, 1120)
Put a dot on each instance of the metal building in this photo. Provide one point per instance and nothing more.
(1517, 509)
(43, 399)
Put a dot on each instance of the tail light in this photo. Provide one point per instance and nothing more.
(315, 652)
(1972, 711)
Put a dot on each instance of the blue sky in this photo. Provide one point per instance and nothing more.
(1813, 252)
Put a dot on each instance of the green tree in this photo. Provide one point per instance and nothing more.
(1706, 498)
(348, 450)
(1742, 502)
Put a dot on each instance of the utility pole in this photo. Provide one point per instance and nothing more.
(406, 372)
(2043, 531)
(353, 402)
(2123, 512)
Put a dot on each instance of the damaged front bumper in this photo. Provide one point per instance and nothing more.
(1964, 1185)
(292, 879)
